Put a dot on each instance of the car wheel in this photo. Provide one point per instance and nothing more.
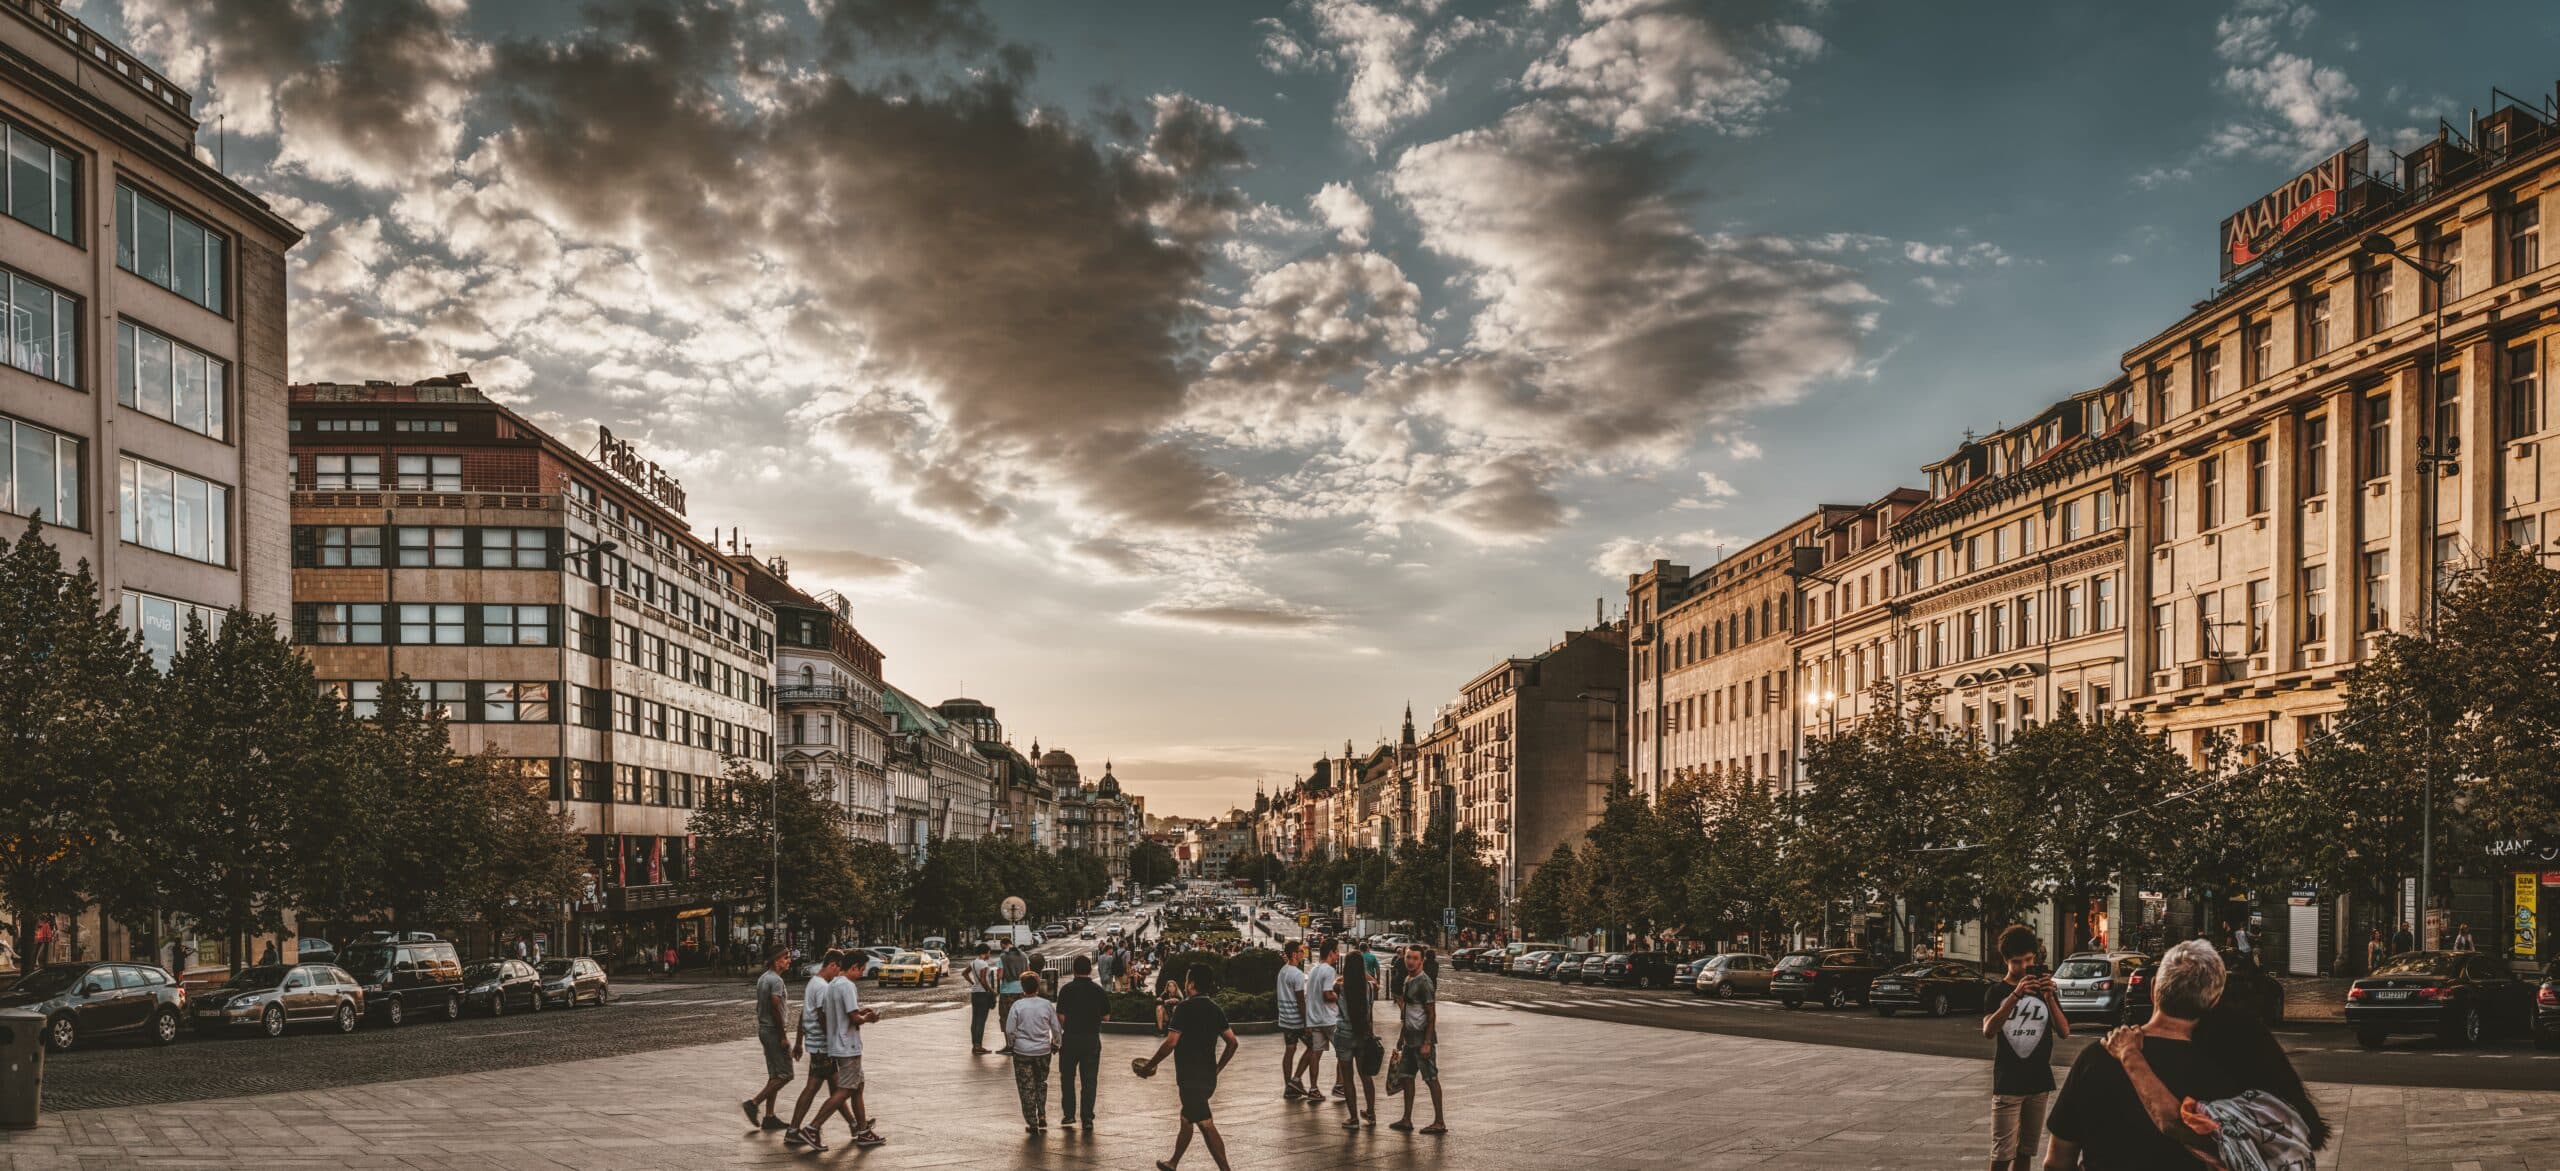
(604, 996)
(346, 1016)
(393, 1014)
(164, 1028)
(453, 1007)
(61, 1033)
(2370, 1038)
(537, 999)
(2466, 1028)
(1724, 992)
(1837, 998)
(1938, 1006)
(498, 1003)
(271, 1022)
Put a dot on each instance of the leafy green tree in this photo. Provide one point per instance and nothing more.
(1741, 878)
(1546, 908)
(2056, 812)
(1421, 882)
(1886, 808)
(530, 859)
(76, 715)
(737, 848)
(1150, 865)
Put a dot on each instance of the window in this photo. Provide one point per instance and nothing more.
(43, 329)
(1972, 645)
(2524, 238)
(1999, 627)
(515, 548)
(626, 784)
(40, 474)
(2102, 594)
(2102, 510)
(2164, 629)
(334, 624)
(2259, 472)
(2208, 373)
(2315, 604)
(2315, 455)
(2262, 617)
(590, 707)
(515, 703)
(438, 547)
(2209, 638)
(432, 624)
(43, 185)
(2072, 609)
(2448, 407)
(162, 622)
(168, 248)
(362, 697)
(429, 426)
(2445, 251)
(515, 626)
(593, 635)
(431, 473)
(165, 380)
(1938, 643)
(626, 713)
(2524, 390)
(345, 425)
(2377, 297)
(2209, 493)
(2164, 505)
(653, 719)
(346, 473)
(2315, 325)
(2158, 393)
(2377, 591)
(169, 510)
(2524, 532)
(2070, 520)
(348, 545)
(2258, 351)
(2377, 435)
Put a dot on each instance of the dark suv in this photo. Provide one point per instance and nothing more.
(1835, 977)
(2244, 983)
(80, 1001)
(1642, 969)
(407, 974)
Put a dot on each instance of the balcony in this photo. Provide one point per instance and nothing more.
(816, 693)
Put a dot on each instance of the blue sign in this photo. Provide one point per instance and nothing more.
(1350, 895)
(1448, 918)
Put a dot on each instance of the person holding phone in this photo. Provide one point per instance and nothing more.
(2022, 1031)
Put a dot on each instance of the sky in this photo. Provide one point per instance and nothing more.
(1200, 382)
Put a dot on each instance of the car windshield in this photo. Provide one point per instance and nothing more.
(367, 957)
(1618, 958)
(906, 957)
(479, 972)
(556, 967)
(2419, 963)
(264, 976)
(1913, 970)
(1799, 962)
(2080, 970)
(48, 981)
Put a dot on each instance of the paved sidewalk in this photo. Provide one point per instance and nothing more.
(1528, 1091)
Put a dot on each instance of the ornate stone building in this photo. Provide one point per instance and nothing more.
(1710, 669)
(829, 725)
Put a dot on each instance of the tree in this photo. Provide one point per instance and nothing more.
(1741, 878)
(2063, 811)
(1150, 865)
(1420, 884)
(737, 848)
(246, 739)
(530, 860)
(1886, 808)
(76, 714)
(1547, 903)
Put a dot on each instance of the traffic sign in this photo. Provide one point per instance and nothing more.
(1013, 909)
(1448, 918)
(1350, 895)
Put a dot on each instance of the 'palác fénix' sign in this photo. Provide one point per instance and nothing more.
(2312, 197)
(623, 460)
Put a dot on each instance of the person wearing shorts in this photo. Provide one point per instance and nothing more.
(1355, 994)
(1290, 995)
(770, 993)
(812, 1040)
(1419, 1042)
(1197, 1028)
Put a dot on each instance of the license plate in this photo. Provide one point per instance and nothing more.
(2392, 994)
(1888, 987)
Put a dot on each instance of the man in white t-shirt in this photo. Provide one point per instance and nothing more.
(1324, 1011)
(845, 1017)
(982, 996)
(1291, 994)
(812, 1040)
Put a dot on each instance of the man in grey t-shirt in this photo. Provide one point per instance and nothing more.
(771, 993)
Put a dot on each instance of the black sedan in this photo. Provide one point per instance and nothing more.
(2459, 996)
(270, 997)
(1637, 969)
(569, 981)
(2244, 983)
(82, 1001)
(1942, 987)
(1835, 977)
(494, 986)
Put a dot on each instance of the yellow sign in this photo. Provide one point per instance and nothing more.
(2528, 936)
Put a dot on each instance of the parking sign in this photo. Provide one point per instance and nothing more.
(1448, 918)
(1350, 895)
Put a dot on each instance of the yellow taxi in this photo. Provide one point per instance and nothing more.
(911, 967)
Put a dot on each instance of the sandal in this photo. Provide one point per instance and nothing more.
(1161, 1165)
(1435, 1128)
(1400, 1125)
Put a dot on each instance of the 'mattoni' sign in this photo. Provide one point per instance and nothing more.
(624, 460)
(2311, 198)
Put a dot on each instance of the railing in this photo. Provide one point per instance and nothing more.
(814, 693)
(47, 15)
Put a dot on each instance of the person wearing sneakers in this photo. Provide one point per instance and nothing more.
(1417, 1047)
(1291, 996)
(844, 1017)
(1324, 1011)
(771, 990)
(812, 1040)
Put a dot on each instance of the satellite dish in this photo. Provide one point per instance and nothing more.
(1013, 909)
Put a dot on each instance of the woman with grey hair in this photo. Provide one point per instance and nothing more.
(2099, 1121)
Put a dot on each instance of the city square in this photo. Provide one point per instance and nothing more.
(1808, 584)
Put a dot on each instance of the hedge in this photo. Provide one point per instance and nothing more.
(1255, 969)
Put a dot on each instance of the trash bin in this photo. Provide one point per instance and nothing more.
(21, 1068)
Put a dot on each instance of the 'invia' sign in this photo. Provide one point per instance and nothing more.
(2311, 198)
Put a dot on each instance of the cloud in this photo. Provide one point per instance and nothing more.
(850, 563)
(1383, 47)
(1641, 65)
(1267, 619)
(1344, 212)
(2299, 112)
(1619, 556)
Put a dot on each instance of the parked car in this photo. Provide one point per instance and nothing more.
(2546, 1009)
(570, 981)
(1532, 963)
(1637, 969)
(81, 1001)
(410, 973)
(494, 986)
(1940, 986)
(1685, 974)
(272, 997)
(1835, 977)
(2244, 983)
(2459, 996)
(910, 967)
(2093, 983)
(1460, 960)
(1734, 973)
(1568, 967)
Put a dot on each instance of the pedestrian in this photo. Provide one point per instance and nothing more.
(1168, 996)
(772, 992)
(669, 960)
(1082, 1007)
(845, 1017)
(1102, 966)
(2022, 1029)
(2273, 1119)
(1197, 1027)
(2375, 951)
(271, 955)
(1417, 1047)
(2099, 1122)
(1031, 1035)
(2401, 941)
(1323, 1013)
(812, 1040)
(1291, 996)
(1009, 986)
(2240, 941)
(1356, 1048)
(2462, 940)
(982, 997)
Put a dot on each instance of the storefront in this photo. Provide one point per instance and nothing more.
(2529, 899)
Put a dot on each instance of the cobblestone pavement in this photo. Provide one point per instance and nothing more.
(1527, 1090)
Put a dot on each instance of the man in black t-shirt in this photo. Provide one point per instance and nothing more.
(1197, 1026)
(2022, 1028)
(1082, 1007)
(2099, 1123)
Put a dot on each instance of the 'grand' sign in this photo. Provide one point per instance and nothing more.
(2311, 198)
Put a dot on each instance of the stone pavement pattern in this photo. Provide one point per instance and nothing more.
(1527, 1091)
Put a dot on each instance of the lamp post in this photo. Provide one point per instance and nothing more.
(2437, 456)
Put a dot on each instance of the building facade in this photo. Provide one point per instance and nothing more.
(939, 763)
(1846, 641)
(557, 614)
(1710, 669)
(1537, 750)
(829, 726)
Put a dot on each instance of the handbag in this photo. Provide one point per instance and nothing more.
(1396, 1073)
(1371, 1054)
